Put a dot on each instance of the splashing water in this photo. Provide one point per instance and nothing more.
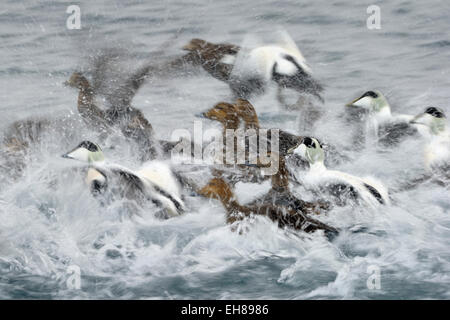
(49, 221)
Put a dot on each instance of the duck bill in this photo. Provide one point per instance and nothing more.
(417, 119)
(80, 154)
(362, 102)
(352, 103)
(187, 47)
(290, 151)
(201, 115)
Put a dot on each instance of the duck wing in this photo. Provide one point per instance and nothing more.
(131, 186)
(392, 133)
(341, 192)
(216, 59)
(110, 80)
(126, 91)
(295, 219)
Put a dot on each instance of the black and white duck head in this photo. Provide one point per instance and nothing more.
(86, 151)
(311, 150)
(374, 102)
(433, 119)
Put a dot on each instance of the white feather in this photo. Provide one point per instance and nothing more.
(257, 61)
(228, 59)
(437, 151)
(154, 173)
(285, 67)
(160, 174)
(94, 175)
(318, 175)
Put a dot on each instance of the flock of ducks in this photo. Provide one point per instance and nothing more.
(248, 72)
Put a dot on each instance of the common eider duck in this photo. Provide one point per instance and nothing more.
(280, 193)
(217, 188)
(130, 120)
(17, 140)
(239, 116)
(242, 115)
(226, 114)
(387, 128)
(280, 63)
(94, 116)
(437, 149)
(251, 72)
(153, 181)
(216, 59)
(287, 140)
(343, 187)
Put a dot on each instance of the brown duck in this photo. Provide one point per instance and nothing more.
(216, 59)
(285, 216)
(131, 121)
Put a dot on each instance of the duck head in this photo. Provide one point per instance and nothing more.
(195, 45)
(373, 101)
(433, 118)
(86, 151)
(77, 80)
(247, 113)
(218, 189)
(310, 150)
(205, 48)
(225, 113)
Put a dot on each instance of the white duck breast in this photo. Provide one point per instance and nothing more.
(342, 186)
(154, 181)
(96, 181)
(437, 155)
(228, 59)
(433, 126)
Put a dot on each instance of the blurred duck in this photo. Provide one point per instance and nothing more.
(282, 64)
(131, 121)
(247, 113)
(389, 129)
(216, 59)
(16, 142)
(433, 124)
(287, 141)
(285, 216)
(242, 115)
(153, 181)
(341, 186)
(280, 193)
